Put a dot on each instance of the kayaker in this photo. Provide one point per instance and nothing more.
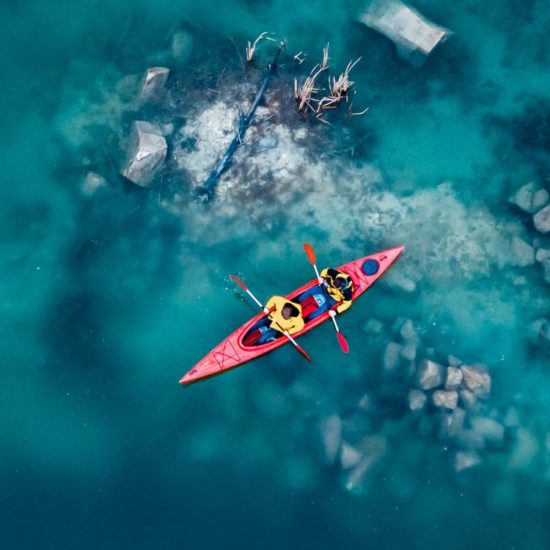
(285, 315)
(282, 315)
(340, 287)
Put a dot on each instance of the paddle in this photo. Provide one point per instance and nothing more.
(341, 339)
(296, 345)
(339, 335)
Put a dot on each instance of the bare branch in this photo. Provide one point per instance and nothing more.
(251, 48)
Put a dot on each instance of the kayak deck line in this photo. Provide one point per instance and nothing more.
(232, 352)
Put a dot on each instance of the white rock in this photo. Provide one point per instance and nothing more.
(414, 36)
(491, 430)
(445, 399)
(392, 356)
(92, 183)
(476, 379)
(429, 374)
(372, 449)
(349, 456)
(147, 152)
(331, 435)
(417, 399)
(152, 85)
(530, 198)
(465, 460)
(521, 253)
(453, 378)
(542, 220)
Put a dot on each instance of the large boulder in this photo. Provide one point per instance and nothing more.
(146, 153)
(413, 35)
(429, 374)
(542, 220)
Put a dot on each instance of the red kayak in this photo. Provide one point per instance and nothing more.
(233, 352)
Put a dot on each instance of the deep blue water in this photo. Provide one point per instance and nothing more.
(108, 300)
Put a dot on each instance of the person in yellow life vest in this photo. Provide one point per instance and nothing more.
(339, 286)
(285, 315)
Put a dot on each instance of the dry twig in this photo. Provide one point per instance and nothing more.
(251, 48)
(324, 64)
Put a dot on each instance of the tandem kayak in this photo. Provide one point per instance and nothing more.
(233, 352)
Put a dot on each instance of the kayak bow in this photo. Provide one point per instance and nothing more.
(233, 352)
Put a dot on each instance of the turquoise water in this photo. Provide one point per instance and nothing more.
(108, 300)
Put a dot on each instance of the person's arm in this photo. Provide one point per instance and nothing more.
(341, 307)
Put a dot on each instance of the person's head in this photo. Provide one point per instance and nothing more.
(339, 282)
(289, 311)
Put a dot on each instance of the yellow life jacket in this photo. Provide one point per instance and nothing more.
(342, 296)
(278, 322)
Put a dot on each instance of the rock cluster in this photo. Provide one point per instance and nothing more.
(533, 199)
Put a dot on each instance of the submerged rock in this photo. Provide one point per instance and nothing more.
(92, 183)
(530, 198)
(539, 333)
(429, 374)
(468, 400)
(349, 456)
(181, 46)
(331, 434)
(372, 450)
(152, 85)
(522, 253)
(445, 399)
(465, 460)
(147, 152)
(491, 430)
(417, 399)
(477, 380)
(542, 220)
(392, 356)
(414, 36)
(452, 423)
(453, 378)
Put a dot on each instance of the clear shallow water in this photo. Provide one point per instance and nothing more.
(108, 301)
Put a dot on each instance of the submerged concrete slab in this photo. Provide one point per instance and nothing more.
(414, 36)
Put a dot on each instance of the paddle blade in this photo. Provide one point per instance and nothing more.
(343, 342)
(303, 352)
(239, 282)
(310, 253)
